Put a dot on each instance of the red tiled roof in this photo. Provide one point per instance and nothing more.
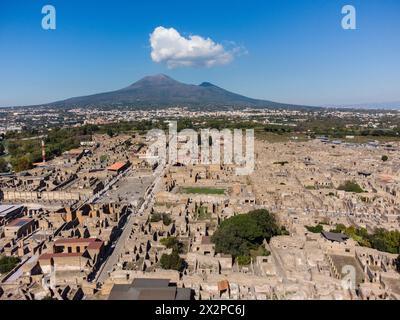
(95, 245)
(47, 256)
(117, 166)
(75, 240)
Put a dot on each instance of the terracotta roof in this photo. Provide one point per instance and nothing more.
(92, 243)
(95, 245)
(223, 285)
(47, 256)
(117, 166)
(75, 240)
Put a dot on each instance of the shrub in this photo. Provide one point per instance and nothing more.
(166, 219)
(172, 242)
(243, 260)
(260, 252)
(156, 217)
(8, 263)
(315, 229)
(172, 261)
(351, 186)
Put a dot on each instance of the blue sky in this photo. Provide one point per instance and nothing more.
(297, 51)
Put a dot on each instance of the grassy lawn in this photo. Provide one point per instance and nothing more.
(199, 190)
(351, 186)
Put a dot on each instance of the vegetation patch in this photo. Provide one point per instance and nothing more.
(244, 232)
(380, 239)
(172, 243)
(351, 186)
(259, 252)
(203, 214)
(156, 217)
(8, 263)
(243, 260)
(172, 261)
(315, 229)
(202, 190)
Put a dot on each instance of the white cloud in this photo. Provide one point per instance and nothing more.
(169, 47)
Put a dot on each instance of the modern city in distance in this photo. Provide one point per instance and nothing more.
(205, 151)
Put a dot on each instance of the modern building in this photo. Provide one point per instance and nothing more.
(149, 289)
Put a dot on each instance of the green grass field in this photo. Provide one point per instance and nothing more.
(202, 190)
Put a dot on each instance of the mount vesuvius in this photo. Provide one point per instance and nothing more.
(160, 91)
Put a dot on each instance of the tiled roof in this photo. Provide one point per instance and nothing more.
(117, 166)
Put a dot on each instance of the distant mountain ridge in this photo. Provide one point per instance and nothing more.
(160, 91)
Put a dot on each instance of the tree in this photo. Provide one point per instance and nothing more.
(3, 165)
(380, 239)
(385, 158)
(8, 263)
(166, 219)
(172, 242)
(241, 233)
(315, 229)
(243, 260)
(110, 132)
(23, 163)
(384, 240)
(172, 261)
(156, 217)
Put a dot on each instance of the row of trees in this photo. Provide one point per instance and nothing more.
(380, 239)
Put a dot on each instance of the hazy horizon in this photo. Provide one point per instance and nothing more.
(365, 105)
